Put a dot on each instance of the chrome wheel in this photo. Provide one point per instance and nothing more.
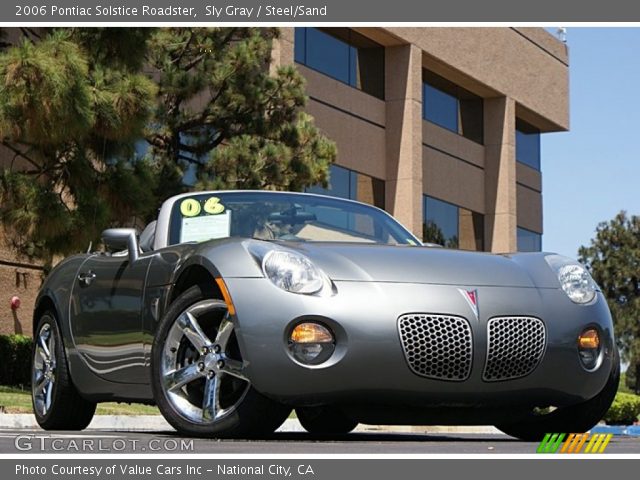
(202, 373)
(44, 369)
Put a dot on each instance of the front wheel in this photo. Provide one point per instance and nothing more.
(198, 375)
(571, 419)
(57, 405)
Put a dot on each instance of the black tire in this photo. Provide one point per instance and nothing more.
(67, 409)
(325, 420)
(572, 419)
(253, 415)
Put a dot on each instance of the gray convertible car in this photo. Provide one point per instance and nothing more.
(235, 307)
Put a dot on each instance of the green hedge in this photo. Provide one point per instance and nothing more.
(15, 360)
(624, 410)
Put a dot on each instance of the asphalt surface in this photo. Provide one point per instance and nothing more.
(108, 441)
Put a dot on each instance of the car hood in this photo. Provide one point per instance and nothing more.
(383, 263)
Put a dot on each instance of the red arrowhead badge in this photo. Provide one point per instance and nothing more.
(471, 296)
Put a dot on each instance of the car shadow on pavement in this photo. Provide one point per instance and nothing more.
(374, 437)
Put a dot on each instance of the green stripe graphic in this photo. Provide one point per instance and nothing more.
(550, 443)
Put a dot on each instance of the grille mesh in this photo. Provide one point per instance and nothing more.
(437, 346)
(515, 347)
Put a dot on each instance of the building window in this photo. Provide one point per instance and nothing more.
(527, 144)
(452, 107)
(344, 55)
(345, 183)
(529, 241)
(452, 226)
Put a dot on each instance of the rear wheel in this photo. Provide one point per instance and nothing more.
(57, 405)
(571, 419)
(198, 375)
(325, 420)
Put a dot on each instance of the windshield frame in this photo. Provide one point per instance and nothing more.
(170, 214)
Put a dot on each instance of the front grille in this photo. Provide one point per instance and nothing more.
(437, 346)
(515, 347)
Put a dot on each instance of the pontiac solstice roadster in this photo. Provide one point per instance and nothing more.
(235, 307)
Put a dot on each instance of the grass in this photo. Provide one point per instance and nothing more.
(16, 400)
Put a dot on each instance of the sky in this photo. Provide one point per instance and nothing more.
(593, 171)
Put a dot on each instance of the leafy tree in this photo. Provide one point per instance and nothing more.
(613, 258)
(221, 109)
(70, 118)
(76, 104)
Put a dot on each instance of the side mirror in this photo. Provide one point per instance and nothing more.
(122, 239)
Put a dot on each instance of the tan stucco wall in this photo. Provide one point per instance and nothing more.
(529, 177)
(455, 145)
(453, 180)
(529, 208)
(526, 66)
(501, 61)
(361, 145)
(529, 198)
(343, 97)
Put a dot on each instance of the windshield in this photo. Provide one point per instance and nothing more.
(281, 216)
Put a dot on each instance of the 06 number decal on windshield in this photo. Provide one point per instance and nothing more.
(213, 206)
(190, 207)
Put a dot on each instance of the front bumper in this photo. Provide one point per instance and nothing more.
(370, 366)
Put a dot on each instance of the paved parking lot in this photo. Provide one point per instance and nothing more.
(113, 441)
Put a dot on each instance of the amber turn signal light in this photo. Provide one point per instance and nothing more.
(225, 295)
(311, 343)
(311, 333)
(589, 339)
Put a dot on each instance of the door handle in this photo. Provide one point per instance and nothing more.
(86, 278)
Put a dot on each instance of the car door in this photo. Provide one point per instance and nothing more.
(106, 316)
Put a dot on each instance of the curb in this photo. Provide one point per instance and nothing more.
(628, 430)
(156, 423)
(127, 423)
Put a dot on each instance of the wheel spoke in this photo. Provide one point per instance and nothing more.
(224, 332)
(42, 343)
(47, 400)
(41, 352)
(191, 329)
(211, 401)
(234, 368)
(180, 377)
(52, 348)
(41, 383)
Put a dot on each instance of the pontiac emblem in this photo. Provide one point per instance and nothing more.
(471, 296)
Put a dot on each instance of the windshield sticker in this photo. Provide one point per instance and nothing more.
(190, 207)
(213, 206)
(206, 227)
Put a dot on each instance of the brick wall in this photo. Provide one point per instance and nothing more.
(22, 278)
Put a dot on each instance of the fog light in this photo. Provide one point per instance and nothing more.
(589, 339)
(311, 343)
(589, 348)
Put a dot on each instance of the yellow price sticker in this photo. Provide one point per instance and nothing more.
(213, 206)
(190, 207)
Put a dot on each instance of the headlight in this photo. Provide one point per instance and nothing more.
(293, 272)
(574, 279)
